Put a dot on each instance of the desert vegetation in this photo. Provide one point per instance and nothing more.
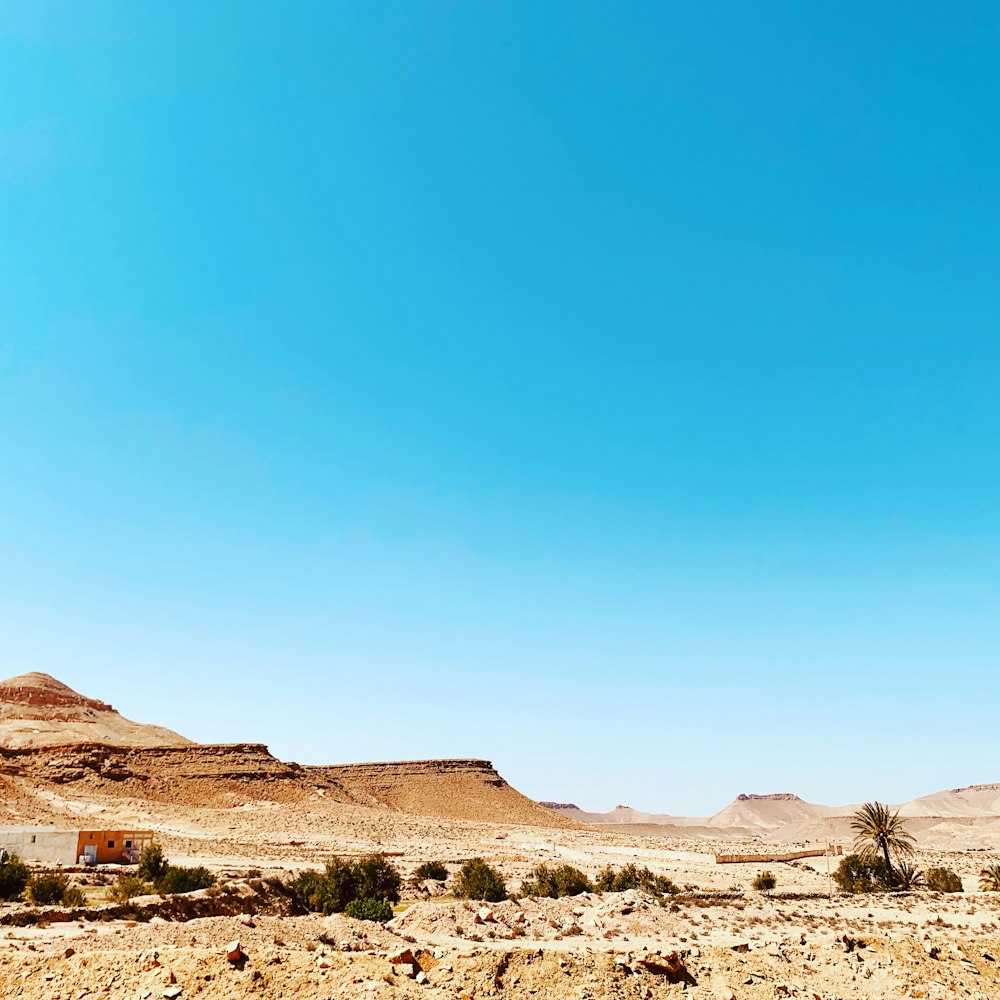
(942, 880)
(51, 889)
(434, 870)
(14, 875)
(367, 885)
(879, 833)
(856, 873)
(631, 876)
(989, 879)
(563, 880)
(765, 882)
(155, 874)
(479, 880)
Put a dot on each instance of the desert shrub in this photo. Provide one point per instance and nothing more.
(433, 870)
(857, 874)
(128, 887)
(369, 909)
(14, 875)
(554, 883)
(177, 879)
(942, 880)
(343, 881)
(47, 890)
(908, 877)
(479, 880)
(377, 878)
(630, 876)
(309, 887)
(765, 882)
(74, 896)
(989, 879)
(152, 864)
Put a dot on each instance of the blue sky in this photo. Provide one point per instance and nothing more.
(609, 391)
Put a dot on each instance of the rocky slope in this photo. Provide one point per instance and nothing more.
(56, 744)
(459, 789)
(37, 710)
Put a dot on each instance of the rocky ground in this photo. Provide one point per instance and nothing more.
(620, 945)
(717, 938)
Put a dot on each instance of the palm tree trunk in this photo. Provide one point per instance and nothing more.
(885, 851)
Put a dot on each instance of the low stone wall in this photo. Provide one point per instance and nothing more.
(737, 859)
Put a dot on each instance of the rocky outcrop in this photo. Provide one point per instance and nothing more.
(37, 710)
(459, 789)
(773, 797)
(203, 774)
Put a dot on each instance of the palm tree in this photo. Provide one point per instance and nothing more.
(879, 832)
(989, 879)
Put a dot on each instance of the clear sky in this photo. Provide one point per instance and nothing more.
(607, 390)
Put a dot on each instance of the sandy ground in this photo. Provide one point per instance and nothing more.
(730, 940)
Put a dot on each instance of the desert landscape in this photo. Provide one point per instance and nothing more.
(68, 761)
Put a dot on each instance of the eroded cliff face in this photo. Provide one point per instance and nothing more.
(225, 776)
(459, 789)
(204, 775)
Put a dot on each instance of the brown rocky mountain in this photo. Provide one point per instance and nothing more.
(37, 710)
(58, 744)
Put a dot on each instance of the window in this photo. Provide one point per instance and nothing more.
(111, 843)
(128, 845)
(33, 838)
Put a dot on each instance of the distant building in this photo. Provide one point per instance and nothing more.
(73, 847)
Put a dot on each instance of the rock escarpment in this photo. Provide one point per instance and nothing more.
(458, 789)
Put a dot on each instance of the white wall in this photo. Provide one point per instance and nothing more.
(57, 846)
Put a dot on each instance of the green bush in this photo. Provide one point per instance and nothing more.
(433, 870)
(176, 879)
(128, 887)
(152, 864)
(377, 878)
(630, 876)
(309, 887)
(369, 909)
(343, 881)
(856, 874)
(14, 875)
(765, 882)
(47, 890)
(555, 882)
(942, 880)
(478, 880)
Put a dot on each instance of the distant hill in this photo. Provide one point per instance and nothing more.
(765, 812)
(954, 819)
(36, 710)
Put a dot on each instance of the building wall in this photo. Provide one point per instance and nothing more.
(40, 844)
(111, 844)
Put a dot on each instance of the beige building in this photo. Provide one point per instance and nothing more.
(73, 847)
